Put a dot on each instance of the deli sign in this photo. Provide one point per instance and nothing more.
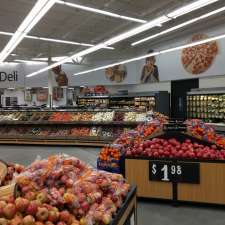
(10, 77)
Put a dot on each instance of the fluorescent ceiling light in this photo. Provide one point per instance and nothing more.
(5, 63)
(37, 12)
(190, 8)
(52, 40)
(58, 58)
(180, 26)
(123, 36)
(53, 59)
(6, 33)
(98, 11)
(28, 61)
(139, 29)
(153, 54)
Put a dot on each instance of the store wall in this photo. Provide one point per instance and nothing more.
(212, 82)
(21, 101)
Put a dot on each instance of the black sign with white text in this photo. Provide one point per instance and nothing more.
(180, 172)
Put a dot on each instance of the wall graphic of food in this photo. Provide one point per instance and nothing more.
(116, 73)
(198, 59)
(60, 76)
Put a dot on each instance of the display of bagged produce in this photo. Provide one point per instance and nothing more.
(64, 189)
(36, 116)
(8, 116)
(60, 116)
(118, 116)
(130, 116)
(141, 117)
(117, 131)
(103, 116)
(15, 130)
(95, 131)
(110, 158)
(55, 132)
(80, 131)
(107, 132)
(149, 128)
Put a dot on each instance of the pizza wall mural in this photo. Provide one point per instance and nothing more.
(116, 73)
(198, 59)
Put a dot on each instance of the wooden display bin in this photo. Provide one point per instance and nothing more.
(204, 182)
(211, 188)
(137, 172)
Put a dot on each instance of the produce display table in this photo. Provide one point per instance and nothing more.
(210, 188)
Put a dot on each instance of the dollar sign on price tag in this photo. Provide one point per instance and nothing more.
(154, 168)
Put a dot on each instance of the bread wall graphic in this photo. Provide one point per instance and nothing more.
(116, 73)
(198, 59)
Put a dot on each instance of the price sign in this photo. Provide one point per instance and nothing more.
(180, 172)
(174, 127)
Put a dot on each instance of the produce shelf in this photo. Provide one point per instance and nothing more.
(90, 123)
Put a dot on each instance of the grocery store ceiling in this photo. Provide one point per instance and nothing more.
(66, 23)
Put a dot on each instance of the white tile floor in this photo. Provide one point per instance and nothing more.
(148, 213)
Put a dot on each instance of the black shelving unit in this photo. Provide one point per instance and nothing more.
(156, 101)
(206, 104)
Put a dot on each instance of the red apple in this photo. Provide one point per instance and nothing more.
(42, 197)
(65, 216)
(42, 214)
(21, 204)
(38, 223)
(9, 211)
(53, 216)
(32, 208)
(28, 220)
(3, 221)
(30, 195)
(49, 223)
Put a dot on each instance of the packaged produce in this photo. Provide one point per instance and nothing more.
(141, 117)
(130, 116)
(107, 132)
(95, 131)
(118, 116)
(62, 189)
(80, 131)
(103, 116)
(60, 116)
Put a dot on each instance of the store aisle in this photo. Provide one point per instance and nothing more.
(148, 213)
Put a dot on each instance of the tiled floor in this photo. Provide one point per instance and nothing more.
(148, 213)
